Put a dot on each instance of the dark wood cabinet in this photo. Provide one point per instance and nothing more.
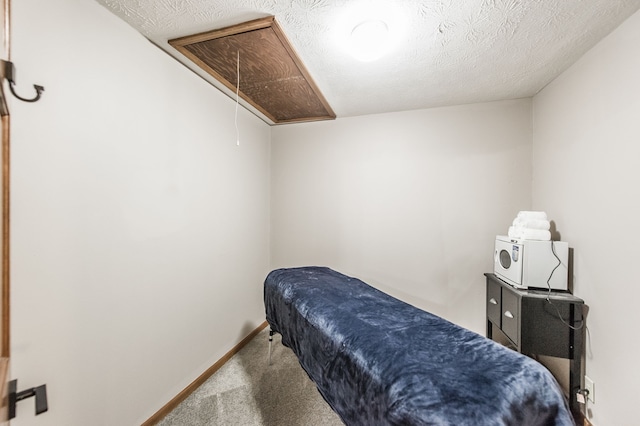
(538, 322)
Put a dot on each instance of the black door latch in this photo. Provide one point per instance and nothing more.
(40, 392)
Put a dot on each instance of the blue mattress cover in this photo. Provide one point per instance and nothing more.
(379, 361)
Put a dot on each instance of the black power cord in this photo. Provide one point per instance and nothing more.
(548, 299)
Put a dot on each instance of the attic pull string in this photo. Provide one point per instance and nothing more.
(237, 98)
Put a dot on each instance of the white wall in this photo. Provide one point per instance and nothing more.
(586, 161)
(140, 231)
(410, 202)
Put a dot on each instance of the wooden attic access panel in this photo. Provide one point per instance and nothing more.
(272, 78)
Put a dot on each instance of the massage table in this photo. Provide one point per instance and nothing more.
(377, 360)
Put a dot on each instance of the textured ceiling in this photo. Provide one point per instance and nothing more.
(445, 52)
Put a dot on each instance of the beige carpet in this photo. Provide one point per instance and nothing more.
(247, 391)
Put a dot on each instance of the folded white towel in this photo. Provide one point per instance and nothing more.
(529, 234)
(514, 232)
(531, 223)
(528, 215)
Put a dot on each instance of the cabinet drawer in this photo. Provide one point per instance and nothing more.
(493, 302)
(510, 315)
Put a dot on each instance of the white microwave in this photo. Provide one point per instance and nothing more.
(532, 263)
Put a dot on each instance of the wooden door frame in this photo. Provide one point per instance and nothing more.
(5, 350)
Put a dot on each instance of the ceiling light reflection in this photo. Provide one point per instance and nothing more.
(365, 26)
(369, 40)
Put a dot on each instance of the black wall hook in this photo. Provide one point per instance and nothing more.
(9, 74)
(39, 90)
(14, 396)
